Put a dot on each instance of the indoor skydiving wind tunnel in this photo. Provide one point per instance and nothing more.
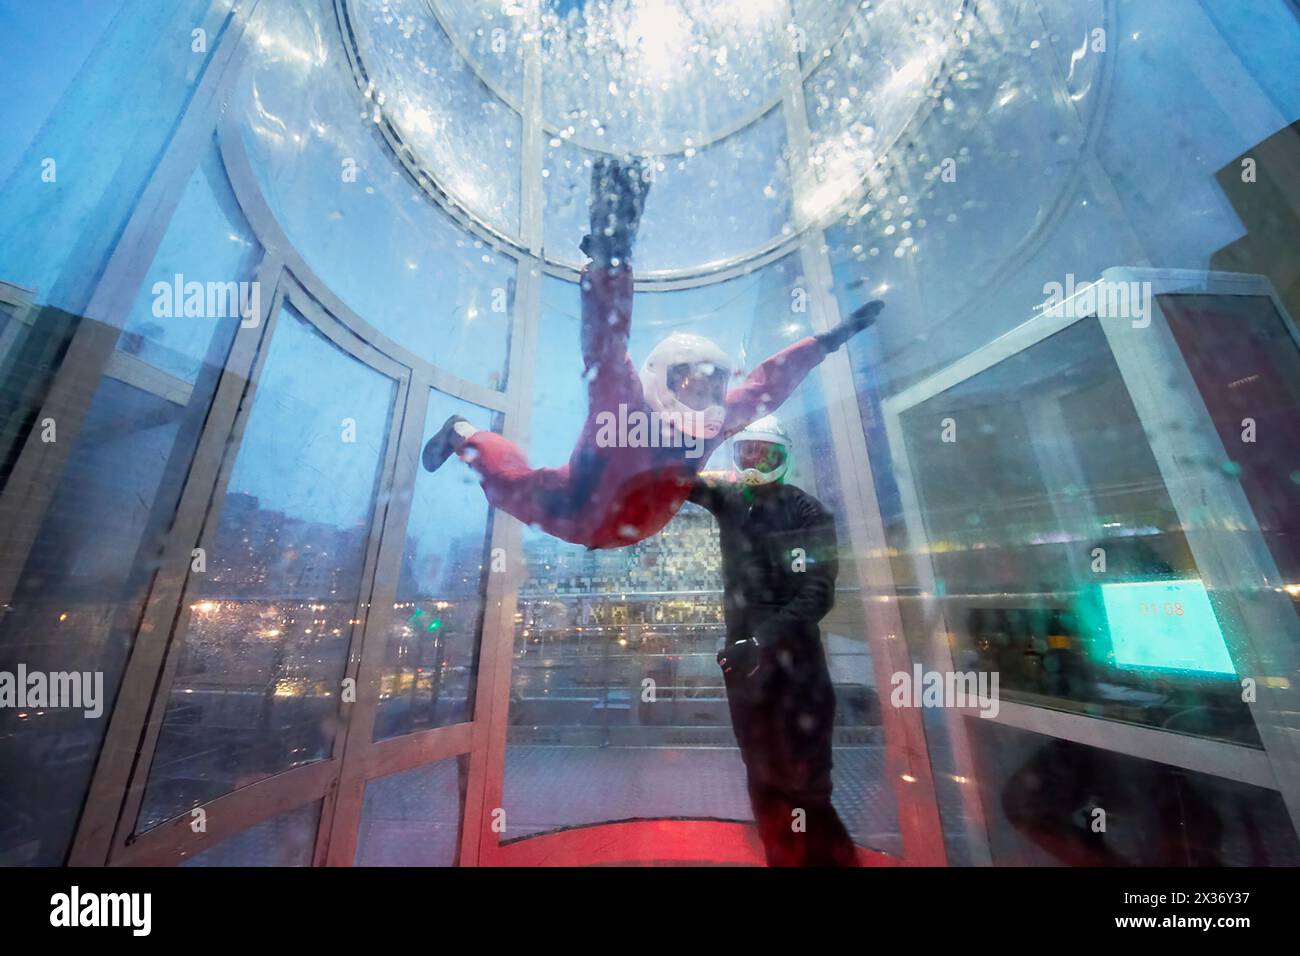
(254, 255)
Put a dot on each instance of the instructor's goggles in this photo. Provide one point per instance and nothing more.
(762, 456)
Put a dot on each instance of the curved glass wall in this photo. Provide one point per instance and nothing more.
(1024, 550)
(491, 37)
(267, 625)
(379, 244)
(446, 114)
(659, 77)
(1063, 457)
(79, 587)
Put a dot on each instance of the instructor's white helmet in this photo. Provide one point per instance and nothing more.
(685, 380)
(762, 452)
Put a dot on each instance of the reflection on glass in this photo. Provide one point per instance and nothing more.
(431, 655)
(413, 818)
(73, 68)
(931, 234)
(199, 286)
(285, 840)
(818, 26)
(271, 618)
(1244, 358)
(1064, 467)
(870, 85)
(1041, 797)
(77, 603)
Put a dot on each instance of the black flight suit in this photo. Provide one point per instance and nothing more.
(779, 566)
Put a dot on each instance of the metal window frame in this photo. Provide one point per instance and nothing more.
(21, 300)
(1161, 388)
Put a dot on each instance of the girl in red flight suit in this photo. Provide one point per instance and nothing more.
(614, 491)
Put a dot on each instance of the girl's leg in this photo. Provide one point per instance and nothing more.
(509, 482)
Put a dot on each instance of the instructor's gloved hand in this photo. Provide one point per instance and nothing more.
(862, 317)
(743, 658)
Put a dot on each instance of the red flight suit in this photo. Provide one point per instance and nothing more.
(610, 497)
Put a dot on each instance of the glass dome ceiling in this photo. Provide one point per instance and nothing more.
(721, 94)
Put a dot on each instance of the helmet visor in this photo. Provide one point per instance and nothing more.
(698, 385)
(763, 456)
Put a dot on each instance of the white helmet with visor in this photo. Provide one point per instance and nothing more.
(685, 379)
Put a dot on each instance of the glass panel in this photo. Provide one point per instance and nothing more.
(451, 121)
(492, 33)
(271, 619)
(584, 745)
(431, 661)
(63, 210)
(819, 25)
(1243, 357)
(868, 90)
(923, 207)
(863, 785)
(413, 818)
(1041, 796)
(965, 232)
(705, 206)
(1199, 119)
(286, 840)
(1072, 25)
(1064, 467)
(77, 603)
(659, 75)
(583, 644)
(375, 239)
(192, 296)
(55, 42)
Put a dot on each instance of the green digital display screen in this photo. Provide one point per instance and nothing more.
(1165, 625)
